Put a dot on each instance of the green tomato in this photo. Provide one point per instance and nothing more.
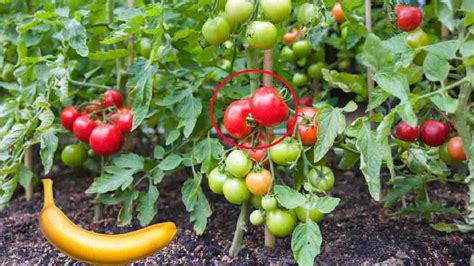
(216, 180)
(315, 215)
(74, 155)
(262, 35)
(344, 32)
(238, 164)
(344, 64)
(306, 12)
(300, 79)
(417, 38)
(227, 18)
(280, 222)
(7, 72)
(286, 152)
(257, 217)
(314, 70)
(216, 30)
(276, 10)
(235, 191)
(238, 10)
(144, 47)
(302, 48)
(256, 201)
(302, 61)
(287, 54)
(269, 203)
(319, 55)
(322, 178)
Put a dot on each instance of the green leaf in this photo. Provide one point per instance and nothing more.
(394, 83)
(468, 6)
(109, 55)
(446, 49)
(147, 205)
(436, 68)
(157, 175)
(379, 96)
(374, 53)
(288, 197)
(401, 186)
(324, 204)
(370, 159)
(445, 103)
(451, 228)
(332, 122)
(24, 176)
(172, 136)
(170, 162)
(115, 37)
(158, 152)
(346, 81)
(445, 13)
(47, 119)
(306, 243)
(76, 35)
(49, 144)
(189, 111)
(208, 151)
(16, 133)
(405, 111)
(125, 213)
(196, 203)
(348, 160)
(467, 49)
(141, 94)
(7, 188)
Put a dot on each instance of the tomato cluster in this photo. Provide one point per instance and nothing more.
(101, 124)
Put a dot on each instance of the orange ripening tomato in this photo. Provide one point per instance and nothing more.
(290, 37)
(338, 14)
(259, 183)
(455, 149)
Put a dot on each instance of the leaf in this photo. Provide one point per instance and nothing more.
(157, 175)
(445, 13)
(196, 203)
(348, 160)
(425, 208)
(450, 228)
(207, 152)
(374, 53)
(24, 176)
(445, 103)
(141, 94)
(394, 83)
(125, 213)
(189, 111)
(436, 68)
(170, 162)
(172, 136)
(346, 81)
(468, 6)
(47, 119)
(467, 49)
(147, 205)
(370, 159)
(49, 144)
(324, 204)
(331, 123)
(288, 197)
(446, 49)
(405, 111)
(379, 96)
(401, 186)
(306, 243)
(115, 37)
(109, 55)
(7, 188)
(76, 35)
(16, 133)
(158, 152)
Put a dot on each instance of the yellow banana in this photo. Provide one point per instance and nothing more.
(94, 248)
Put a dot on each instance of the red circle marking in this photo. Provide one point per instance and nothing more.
(227, 79)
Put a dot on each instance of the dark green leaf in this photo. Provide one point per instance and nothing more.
(331, 123)
(170, 162)
(49, 144)
(288, 197)
(147, 205)
(306, 243)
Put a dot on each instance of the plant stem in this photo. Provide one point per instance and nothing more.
(110, 11)
(87, 84)
(239, 231)
(29, 164)
(449, 87)
(368, 25)
(252, 64)
(98, 206)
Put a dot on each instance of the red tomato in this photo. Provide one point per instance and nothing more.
(337, 13)
(455, 149)
(406, 132)
(308, 127)
(434, 133)
(95, 106)
(306, 101)
(408, 17)
(106, 139)
(267, 107)
(235, 119)
(68, 116)
(112, 97)
(123, 119)
(83, 127)
(257, 155)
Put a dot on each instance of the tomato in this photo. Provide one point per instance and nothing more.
(238, 164)
(7, 72)
(276, 10)
(257, 217)
(216, 180)
(408, 17)
(216, 30)
(321, 178)
(406, 132)
(302, 61)
(305, 13)
(444, 155)
(300, 79)
(314, 70)
(262, 35)
(259, 183)
(306, 100)
(308, 125)
(74, 155)
(302, 48)
(269, 203)
(267, 107)
(337, 13)
(258, 154)
(68, 116)
(94, 107)
(290, 37)
(344, 64)
(123, 119)
(287, 54)
(235, 191)
(456, 149)
(319, 55)
(280, 222)
(235, 119)
(315, 215)
(144, 47)
(256, 201)
(434, 133)
(286, 152)
(228, 19)
(417, 38)
(238, 10)
(106, 139)
(111, 98)
(83, 126)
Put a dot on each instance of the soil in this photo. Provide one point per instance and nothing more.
(358, 231)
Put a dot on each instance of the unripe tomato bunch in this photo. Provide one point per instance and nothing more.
(101, 124)
(434, 134)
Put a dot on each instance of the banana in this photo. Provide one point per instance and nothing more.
(94, 248)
